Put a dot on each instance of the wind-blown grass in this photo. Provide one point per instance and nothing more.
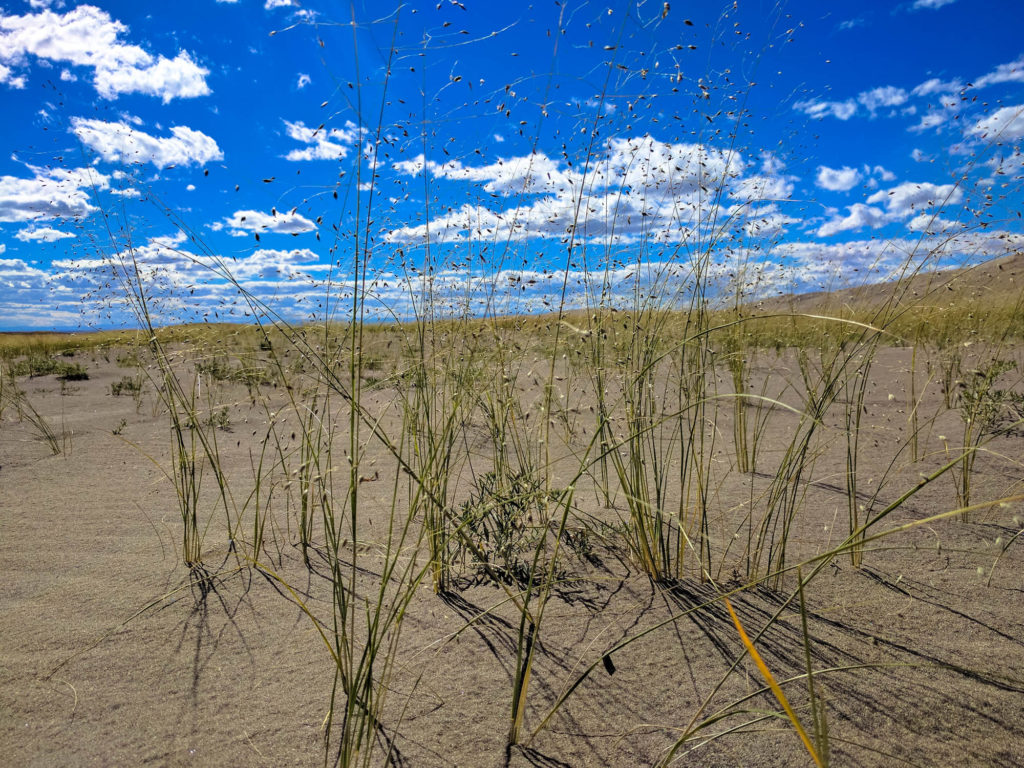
(487, 450)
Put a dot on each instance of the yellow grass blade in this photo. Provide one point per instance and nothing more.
(770, 679)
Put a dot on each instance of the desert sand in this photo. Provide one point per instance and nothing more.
(115, 653)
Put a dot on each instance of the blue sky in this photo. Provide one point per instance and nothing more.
(493, 152)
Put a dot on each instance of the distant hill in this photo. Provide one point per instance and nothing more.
(1000, 282)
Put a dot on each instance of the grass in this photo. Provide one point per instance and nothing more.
(476, 424)
(504, 514)
(454, 521)
(12, 397)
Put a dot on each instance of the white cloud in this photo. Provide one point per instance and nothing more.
(606, 106)
(1006, 124)
(1011, 72)
(121, 143)
(51, 194)
(761, 187)
(908, 198)
(930, 4)
(885, 96)
(881, 172)
(833, 265)
(932, 223)
(278, 4)
(931, 120)
(841, 110)
(636, 188)
(304, 80)
(529, 174)
(7, 76)
(323, 144)
(42, 234)
(412, 167)
(838, 179)
(771, 163)
(768, 222)
(256, 221)
(937, 85)
(88, 37)
(16, 275)
(273, 263)
(193, 286)
(896, 204)
(860, 216)
(179, 77)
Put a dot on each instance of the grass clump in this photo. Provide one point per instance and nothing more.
(127, 385)
(484, 442)
(986, 410)
(41, 365)
(503, 520)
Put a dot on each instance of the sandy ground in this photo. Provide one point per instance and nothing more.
(111, 654)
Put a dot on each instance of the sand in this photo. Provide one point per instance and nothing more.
(113, 653)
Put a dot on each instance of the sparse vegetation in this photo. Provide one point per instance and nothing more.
(667, 477)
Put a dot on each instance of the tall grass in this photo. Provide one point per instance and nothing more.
(468, 417)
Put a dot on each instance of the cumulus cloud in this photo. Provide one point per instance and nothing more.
(303, 81)
(42, 235)
(282, 223)
(89, 37)
(937, 85)
(907, 199)
(265, 264)
(860, 216)
(768, 222)
(838, 179)
(931, 223)
(932, 119)
(55, 193)
(841, 110)
(293, 280)
(881, 172)
(922, 201)
(121, 143)
(15, 273)
(529, 174)
(930, 4)
(636, 188)
(322, 144)
(179, 77)
(7, 77)
(1006, 124)
(950, 94)
(1011, 72)
(886, 96)
(761, 187)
